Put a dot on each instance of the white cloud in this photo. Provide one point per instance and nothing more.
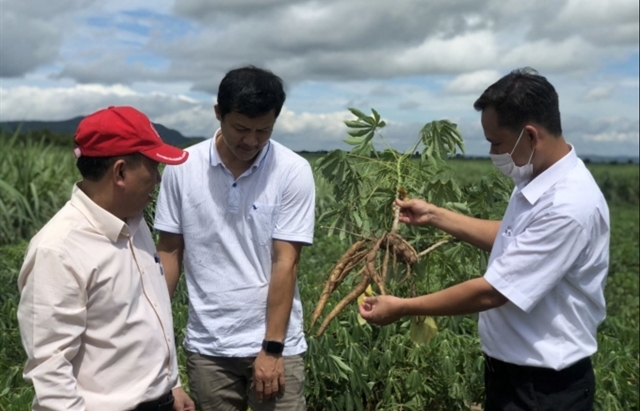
(335, 40)
(322, 124)
(189, 116)
(463, 53)
(194, 120)
(32, 32)
(572, 54)
(620, 18)
(414, 61)
(159, 6)
(61, 103)
(472, 83)
(600, 92)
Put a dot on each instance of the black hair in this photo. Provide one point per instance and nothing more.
(250, 91)
(94, 168)
(523, 96)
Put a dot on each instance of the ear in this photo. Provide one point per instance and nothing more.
(118, 172)
(533, 135)
(217, 110)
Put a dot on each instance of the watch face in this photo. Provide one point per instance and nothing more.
(273, 347)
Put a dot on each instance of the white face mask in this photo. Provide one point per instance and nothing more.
(505, 164)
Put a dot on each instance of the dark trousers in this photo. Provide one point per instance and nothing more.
(511, 387)
(164, 403)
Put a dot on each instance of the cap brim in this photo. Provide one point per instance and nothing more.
(167, 154)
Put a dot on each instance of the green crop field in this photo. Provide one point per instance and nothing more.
(350, 367)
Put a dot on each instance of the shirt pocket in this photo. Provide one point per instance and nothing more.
(261, 222)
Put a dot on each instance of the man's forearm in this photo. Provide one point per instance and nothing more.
(477, 232)
(470, 297)
(280, 301)
(171, 263)
(171, 250)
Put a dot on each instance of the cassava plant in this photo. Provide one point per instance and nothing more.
(352, 365)
(366, 182)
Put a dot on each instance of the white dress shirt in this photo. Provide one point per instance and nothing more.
(94, 312)
(550, 259)
(228, 227)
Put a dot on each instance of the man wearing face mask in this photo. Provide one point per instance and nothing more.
(541, 298)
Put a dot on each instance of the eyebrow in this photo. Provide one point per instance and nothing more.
(238, 125)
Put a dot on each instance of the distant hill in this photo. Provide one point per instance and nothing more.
(68, 127)
(587, 158)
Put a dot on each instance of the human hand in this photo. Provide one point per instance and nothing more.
(268, 376)
(181, 401)
(381, 309)
(416, 211)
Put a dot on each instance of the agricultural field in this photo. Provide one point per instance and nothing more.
(353, 366)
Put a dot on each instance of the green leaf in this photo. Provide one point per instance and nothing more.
(358, 133)
(358, 113)
(340, 363)
(353, 141)
(376, 116)
(356, 124)
(368, 137)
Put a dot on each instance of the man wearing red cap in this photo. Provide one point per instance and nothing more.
(94, 312)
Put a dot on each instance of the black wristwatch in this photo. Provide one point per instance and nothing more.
(272, 347)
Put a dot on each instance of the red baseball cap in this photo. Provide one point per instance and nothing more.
(118, 131)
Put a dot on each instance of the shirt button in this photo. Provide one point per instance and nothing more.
(234, 184)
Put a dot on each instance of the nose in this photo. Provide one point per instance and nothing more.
(158, 177)
(251, 139)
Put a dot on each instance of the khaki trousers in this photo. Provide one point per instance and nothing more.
(224, 384)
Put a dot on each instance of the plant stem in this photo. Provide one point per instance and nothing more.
(433, 247)
(347, 232)
(396, 215)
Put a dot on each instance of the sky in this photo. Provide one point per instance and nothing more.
(414, 61)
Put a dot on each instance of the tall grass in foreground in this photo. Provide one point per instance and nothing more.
(35, 181)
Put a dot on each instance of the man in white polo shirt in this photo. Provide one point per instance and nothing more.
(238, 213)
(542, 296)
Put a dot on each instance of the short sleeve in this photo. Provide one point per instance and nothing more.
(169, 206)
(534, 261)
(296, 216)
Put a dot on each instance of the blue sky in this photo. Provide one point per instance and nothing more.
(413, 61)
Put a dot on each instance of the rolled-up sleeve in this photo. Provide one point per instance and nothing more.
(534, 261)
(52, 318)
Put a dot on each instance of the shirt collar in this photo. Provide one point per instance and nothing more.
(215, 159)
(539, 185)
(103, 221)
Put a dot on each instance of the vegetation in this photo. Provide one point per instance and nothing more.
(353, 366)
